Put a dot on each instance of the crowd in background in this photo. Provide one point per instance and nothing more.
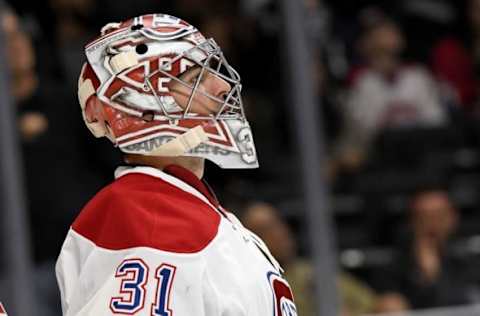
(398, 89)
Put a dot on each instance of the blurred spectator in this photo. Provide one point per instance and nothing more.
(45, 112)
(385, 92)
(391, 303)
(24, 79)
(456, 62)
(265, 221)
(33, 125)
(21, 57)
(426, 273)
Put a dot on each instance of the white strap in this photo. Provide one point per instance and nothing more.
(85, 91)
(123, 61)
(109, 27)
(181, 144)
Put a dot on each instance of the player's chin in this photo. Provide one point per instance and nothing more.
(212, 107)
(205, 106)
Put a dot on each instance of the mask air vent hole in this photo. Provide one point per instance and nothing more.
(141, 49)
(148, 116)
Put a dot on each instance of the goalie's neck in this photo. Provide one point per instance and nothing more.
(194, 164)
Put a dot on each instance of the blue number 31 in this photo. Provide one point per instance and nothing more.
(134, 276)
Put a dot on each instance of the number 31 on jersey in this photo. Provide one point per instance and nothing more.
(134, 276)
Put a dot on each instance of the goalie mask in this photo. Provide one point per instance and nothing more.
(145, 87)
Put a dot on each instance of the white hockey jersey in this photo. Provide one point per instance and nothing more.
(157, 243)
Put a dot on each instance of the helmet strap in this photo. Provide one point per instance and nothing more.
(181, 144)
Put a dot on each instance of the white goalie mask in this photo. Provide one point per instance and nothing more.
(124, 92)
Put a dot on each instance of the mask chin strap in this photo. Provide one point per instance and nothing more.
(181, 144)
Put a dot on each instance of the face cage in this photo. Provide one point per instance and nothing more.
(214, 63)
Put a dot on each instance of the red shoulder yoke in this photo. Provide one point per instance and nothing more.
(139, 210)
